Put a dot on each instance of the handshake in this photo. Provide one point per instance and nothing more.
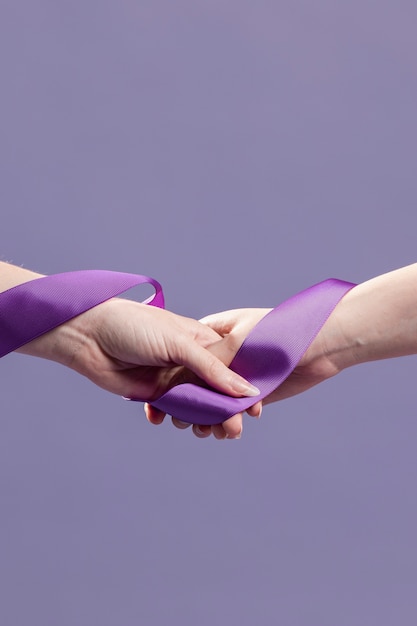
(145, 352)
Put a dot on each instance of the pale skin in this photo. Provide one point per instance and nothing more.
(132, 349)
(375, 320)
(136, 350)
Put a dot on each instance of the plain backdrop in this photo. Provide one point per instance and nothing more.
(238, 152)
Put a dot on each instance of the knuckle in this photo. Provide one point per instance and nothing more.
(213, 368)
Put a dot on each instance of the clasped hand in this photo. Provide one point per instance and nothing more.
(140, 351)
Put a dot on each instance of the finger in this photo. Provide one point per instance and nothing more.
(222, 323)
(180, 424)
(202, 432)
(208, 367)
(233, 426)
(255, 410)
(218, 431)
(240, 321)
(204, 334)
(154, 416)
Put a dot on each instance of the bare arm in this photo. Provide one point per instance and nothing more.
(11, 275)
(375, 320)
(132, 349)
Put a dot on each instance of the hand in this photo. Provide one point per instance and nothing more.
(375, 320)
(137, 351)
(231, 327)
(140, 351)
(315, 366)
(234, 326)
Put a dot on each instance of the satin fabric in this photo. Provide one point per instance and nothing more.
(266, 358)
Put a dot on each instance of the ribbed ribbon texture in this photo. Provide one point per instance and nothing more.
(266, 358)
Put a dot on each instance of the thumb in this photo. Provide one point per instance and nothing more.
(223, 323)
(238, 322)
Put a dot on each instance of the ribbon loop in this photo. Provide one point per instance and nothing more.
(33, 308)
(266, 358)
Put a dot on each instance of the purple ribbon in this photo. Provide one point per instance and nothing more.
(266, 358)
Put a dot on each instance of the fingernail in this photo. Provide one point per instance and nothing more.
(235, 437)
(246, 389)
(198, 431)
(182, 424)
(260, 413)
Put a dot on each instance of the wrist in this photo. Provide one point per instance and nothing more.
(375, 320)
(333, 349)
(62, 344)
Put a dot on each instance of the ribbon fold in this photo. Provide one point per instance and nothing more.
(266, 358)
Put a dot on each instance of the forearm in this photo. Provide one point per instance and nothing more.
(375, 320)
(48, 345)
(11, 275)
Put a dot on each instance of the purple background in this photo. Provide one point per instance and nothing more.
(238, 152)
